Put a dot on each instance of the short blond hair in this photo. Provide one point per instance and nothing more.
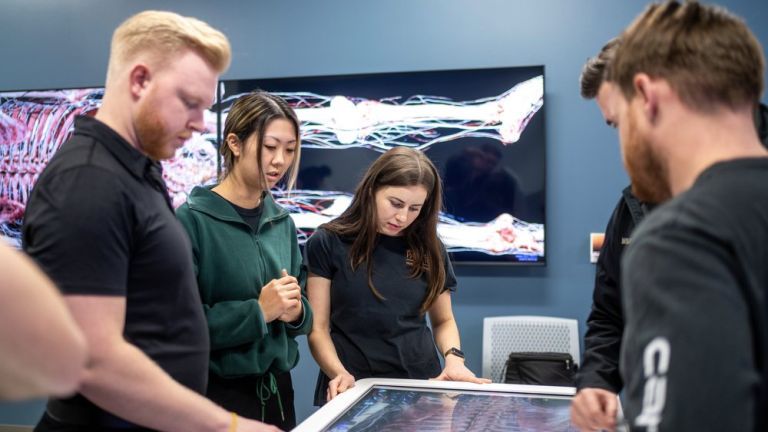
(708, 55)
(162, 34)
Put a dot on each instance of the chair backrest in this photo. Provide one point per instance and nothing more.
(503, 335)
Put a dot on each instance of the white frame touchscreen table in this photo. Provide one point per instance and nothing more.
(378, 404)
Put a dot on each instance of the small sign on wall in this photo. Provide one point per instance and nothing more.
(595, 244)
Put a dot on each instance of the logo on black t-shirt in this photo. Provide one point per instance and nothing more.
(410, 260)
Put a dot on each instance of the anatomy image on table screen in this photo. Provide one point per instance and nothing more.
(390, 408)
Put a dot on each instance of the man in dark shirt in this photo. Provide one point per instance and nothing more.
(100, 223)
(695, 349)
(598, 380)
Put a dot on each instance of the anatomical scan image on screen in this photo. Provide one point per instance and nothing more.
(389, 409)
(483, 129)
(35, 124)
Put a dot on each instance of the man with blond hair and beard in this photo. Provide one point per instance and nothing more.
(695, 282)
(100, 223)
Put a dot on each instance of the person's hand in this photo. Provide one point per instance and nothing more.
(279, 296)
(341, 383)
(293, 313)
(594, 409)
(455, 370)
(248, 425)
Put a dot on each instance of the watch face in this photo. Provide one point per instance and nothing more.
(455, 351)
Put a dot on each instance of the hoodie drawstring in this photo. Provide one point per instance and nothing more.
(266, 386)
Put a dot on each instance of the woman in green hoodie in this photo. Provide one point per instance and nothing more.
(248, 263)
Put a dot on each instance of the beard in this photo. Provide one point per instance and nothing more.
(152, 135)
(650, 181)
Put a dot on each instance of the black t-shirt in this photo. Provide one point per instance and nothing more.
(695, 280)
(99, 223)
(251, 216)
(377, 338)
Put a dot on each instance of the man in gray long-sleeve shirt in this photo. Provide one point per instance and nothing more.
(695, 348)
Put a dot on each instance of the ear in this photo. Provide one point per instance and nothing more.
(139, 79)
(234, 144)
(647, 91)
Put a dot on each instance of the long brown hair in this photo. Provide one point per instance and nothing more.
(398, 167)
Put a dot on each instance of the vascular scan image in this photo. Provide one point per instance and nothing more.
(389, 409)
(35, 124)
(482, 128)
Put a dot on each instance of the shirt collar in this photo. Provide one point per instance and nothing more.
(132, 159)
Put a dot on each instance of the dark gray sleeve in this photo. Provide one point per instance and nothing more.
(319, 253)
(687, 359)
(450, 276)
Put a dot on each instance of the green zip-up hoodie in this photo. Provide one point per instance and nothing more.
(233, 262)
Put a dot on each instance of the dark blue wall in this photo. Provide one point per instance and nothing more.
(65, 44)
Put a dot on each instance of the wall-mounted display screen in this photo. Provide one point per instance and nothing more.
(483, 129)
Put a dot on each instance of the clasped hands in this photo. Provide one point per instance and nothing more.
(280, 299)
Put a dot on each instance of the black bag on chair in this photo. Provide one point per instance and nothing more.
(540, 368)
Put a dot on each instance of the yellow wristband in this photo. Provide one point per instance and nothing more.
(233, 425)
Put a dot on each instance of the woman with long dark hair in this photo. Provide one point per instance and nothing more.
(375, 272)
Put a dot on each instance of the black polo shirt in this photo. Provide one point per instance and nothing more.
(99, 222)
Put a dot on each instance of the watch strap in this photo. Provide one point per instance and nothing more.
(455, 351)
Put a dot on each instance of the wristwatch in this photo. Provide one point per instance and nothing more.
(455, 351)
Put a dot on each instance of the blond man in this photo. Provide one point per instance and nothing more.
(100, 223)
